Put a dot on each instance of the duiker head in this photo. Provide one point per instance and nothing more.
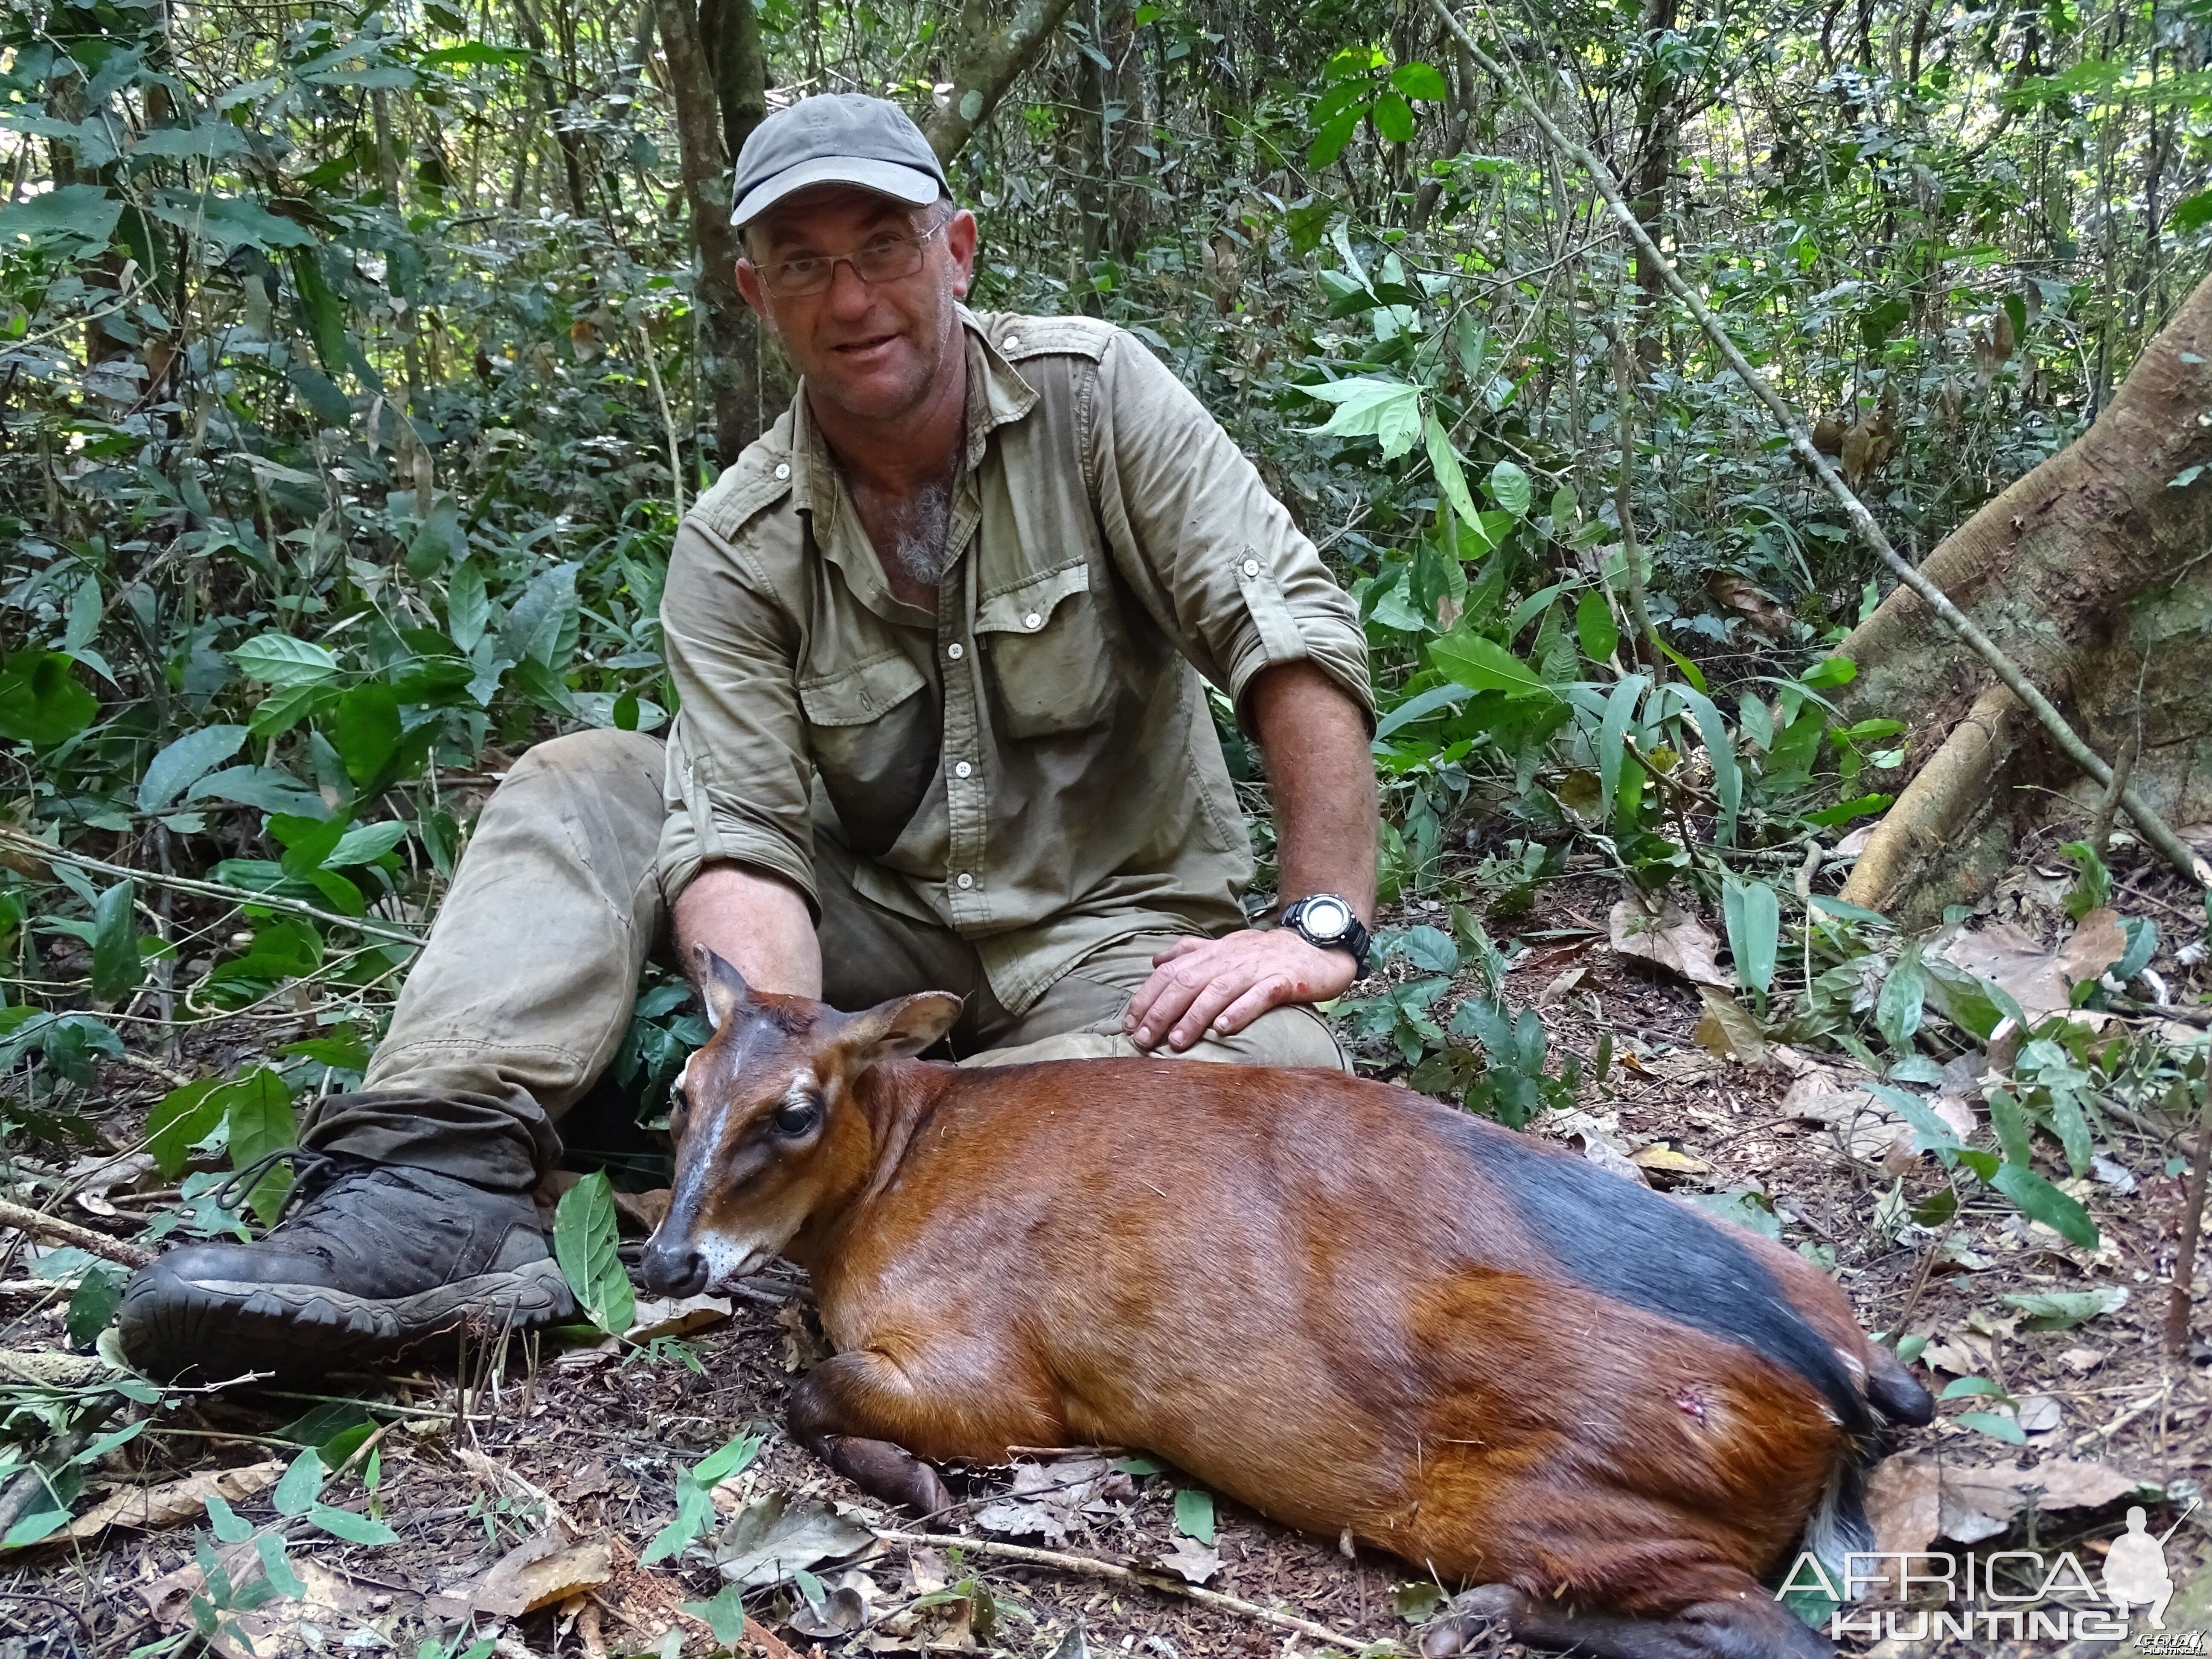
(767, 1131)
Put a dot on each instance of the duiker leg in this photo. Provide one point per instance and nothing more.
(1746, 1623)
(860, 1411)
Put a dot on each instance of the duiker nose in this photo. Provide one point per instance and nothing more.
(672, 1268)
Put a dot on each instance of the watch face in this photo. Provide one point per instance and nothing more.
(1325, 918)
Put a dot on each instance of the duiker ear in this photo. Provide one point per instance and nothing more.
(904, 1025)
(722, 986)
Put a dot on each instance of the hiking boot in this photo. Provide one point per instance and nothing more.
(373, 1258)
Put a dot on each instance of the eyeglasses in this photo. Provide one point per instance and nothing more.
(885, 258)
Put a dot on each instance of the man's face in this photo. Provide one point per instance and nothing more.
(871, 348)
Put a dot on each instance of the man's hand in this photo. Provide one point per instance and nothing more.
(1225, 984)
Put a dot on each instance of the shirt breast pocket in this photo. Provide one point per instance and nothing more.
(1051, 664)
(864, 718)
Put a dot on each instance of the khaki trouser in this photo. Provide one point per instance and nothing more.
(523, 992)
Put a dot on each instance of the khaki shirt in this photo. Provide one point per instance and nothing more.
(1034, 766)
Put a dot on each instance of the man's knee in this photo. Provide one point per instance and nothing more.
(600, 753)
(1293, 1034)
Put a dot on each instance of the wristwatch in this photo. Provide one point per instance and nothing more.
(1327, 921)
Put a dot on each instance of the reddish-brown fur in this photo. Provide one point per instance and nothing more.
(1291, 1283)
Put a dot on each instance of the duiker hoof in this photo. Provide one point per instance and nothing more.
(1467, 1615)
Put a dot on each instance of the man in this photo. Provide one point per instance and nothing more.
(938, 638)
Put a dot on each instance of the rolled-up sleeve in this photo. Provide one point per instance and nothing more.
(1244, 587)
(738, 777)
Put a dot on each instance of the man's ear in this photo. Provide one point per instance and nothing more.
(904, 1025)
(749, 286)
(723, 987)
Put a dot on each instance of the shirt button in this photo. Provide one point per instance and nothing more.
(783, 469)
(1251, 567)
(1033, 620)
(963, 769)
(1013, 342)
(954, 651)
(966, 880)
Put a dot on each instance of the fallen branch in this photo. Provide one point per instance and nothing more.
(2155, 829)
(1091, 1567)
(37, 848)
(53, 1229)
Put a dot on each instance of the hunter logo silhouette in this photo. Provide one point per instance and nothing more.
(2135, 1571)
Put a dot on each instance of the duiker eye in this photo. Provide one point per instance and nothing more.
(796, 1117)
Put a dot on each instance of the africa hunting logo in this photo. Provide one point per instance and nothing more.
(2008, 1593)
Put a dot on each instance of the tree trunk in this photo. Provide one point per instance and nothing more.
(731, 372)
(2090, 573)
(1658, 131)
(988, 60)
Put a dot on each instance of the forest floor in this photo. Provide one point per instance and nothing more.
(535, 1478)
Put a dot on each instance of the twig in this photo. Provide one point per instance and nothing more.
(38, 1225)
(2157, 1397)
(2101, 827)
(1089, 1566)
(2184, 1258)
(20, 1289)
(2155, 829)
(46, 850)
(1624, 500)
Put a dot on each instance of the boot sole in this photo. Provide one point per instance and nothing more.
(170, 1326)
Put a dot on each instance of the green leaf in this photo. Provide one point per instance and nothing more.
(1393, 118)
(584, 1245)
(116, 969)
(1509, 488)
(625, 712)
(1444, 461)
(2001, 1428)
(186, 761)
(1619, 709)
(230, 1527)
(1830, 671)
(365, 729)
(1328, 143)
(92, 1305)
(2038, 1200)
(725, 1615)
(269, 1546)
(232, 221)
(467, 608)
(1691, 671)
(1844, 811)
(1934, 1135)
(2062, 1311)
(280, 660)
(1194, 1514)
(477, 51)
(83, 216)
(1419, 80)
(1387, 411)
(365, 844)
(1720, 751)
(1595, 627)
(1430, 950)
(733, 1457)
(1754, 930)
(440, 542)
(354, 1528)
(181, 1119)
(1897, 1011)
(257, 1108)
(41, 701)
(209, 142)
(300, 1484)
(1480, 663)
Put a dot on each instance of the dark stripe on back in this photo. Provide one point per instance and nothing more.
(1626, 1242)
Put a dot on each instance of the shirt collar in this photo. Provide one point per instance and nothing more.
(997, 396)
